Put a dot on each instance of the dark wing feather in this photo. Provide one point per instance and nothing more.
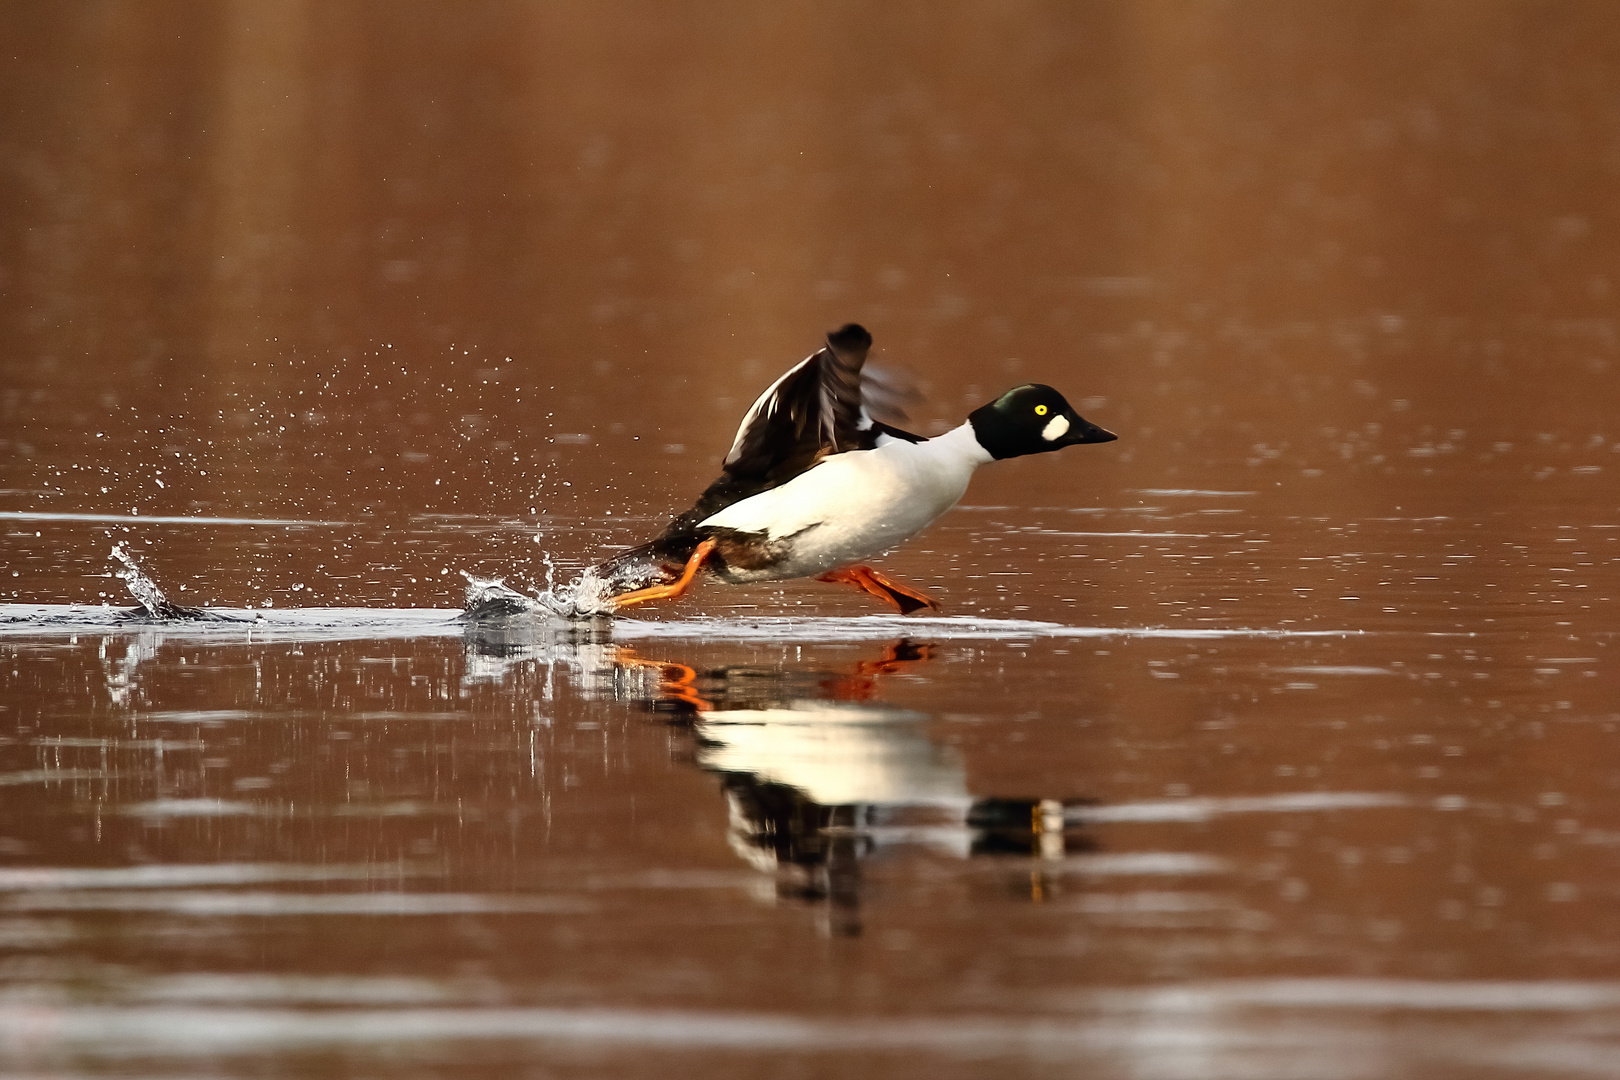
(812, 410)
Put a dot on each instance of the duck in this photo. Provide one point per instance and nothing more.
(814, 485)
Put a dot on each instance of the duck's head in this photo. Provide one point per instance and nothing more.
(1032, 419)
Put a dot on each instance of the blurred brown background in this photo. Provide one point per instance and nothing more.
(329, 260)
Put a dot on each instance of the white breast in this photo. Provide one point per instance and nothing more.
(855, 505)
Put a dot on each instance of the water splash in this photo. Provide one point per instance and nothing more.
(492, 598)
(146, 591)
(586, 597)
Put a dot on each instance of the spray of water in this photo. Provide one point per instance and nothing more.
(146, 592)
(586, 597)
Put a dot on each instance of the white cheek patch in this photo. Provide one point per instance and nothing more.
(1055, 428)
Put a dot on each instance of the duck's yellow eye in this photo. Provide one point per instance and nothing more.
(1040, 410)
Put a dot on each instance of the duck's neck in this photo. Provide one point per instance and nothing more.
(961, 442)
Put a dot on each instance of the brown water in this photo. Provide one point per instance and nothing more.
(1277, 739)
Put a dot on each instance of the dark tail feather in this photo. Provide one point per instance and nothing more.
(657, 562)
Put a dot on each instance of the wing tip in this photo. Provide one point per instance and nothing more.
(851, 337)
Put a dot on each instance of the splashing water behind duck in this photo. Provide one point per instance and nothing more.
(586, 597)
(146, 592)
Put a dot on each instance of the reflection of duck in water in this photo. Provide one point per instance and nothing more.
(818, 778)
(814, 483)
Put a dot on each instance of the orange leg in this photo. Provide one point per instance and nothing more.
(905, 600)
(675, 588)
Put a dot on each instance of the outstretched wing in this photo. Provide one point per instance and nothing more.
(813, 409)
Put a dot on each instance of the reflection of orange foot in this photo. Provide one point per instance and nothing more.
(675, 588)
(677, 682)
(897, 656)
(905, 600)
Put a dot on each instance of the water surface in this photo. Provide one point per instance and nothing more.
(1276, 739)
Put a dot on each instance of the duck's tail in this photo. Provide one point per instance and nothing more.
(657, 562)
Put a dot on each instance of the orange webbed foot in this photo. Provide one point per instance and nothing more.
(674, 588)
(905, 600)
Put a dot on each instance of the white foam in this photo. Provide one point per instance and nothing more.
(271, 624)
(336, 623)
(875, 627)
(1203, 809)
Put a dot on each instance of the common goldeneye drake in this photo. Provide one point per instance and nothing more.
(813, 484)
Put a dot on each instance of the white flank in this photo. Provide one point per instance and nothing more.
(1055, 428)
(857, 504)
